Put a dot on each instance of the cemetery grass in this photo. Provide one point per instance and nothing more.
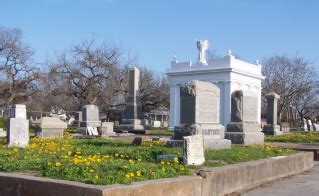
(238, 154)
(295, 137)
(160, 131)
(105, 161)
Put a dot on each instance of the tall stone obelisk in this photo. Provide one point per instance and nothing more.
(133, 118)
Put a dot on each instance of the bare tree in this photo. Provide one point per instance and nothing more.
(86, 71)
(154, 90)
(291, 78)
(305, 105)
(17, 73)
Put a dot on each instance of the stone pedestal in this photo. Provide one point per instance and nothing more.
(272, 130)
(133, 118)
(244, 133)
(213, 134)
(18, 129)
(245, 138)
(106, 129)
(47, 127)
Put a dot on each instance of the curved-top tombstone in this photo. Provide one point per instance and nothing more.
(199, 102)
(244, 127)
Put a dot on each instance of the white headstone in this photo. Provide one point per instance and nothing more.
(156, 123)
(194, 150)
(18, 132)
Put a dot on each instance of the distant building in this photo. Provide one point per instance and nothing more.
(159, 114)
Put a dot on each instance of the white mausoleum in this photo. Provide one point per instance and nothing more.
(228, 73)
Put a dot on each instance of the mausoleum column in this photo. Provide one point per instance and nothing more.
(226, 103)
(174, 119)
(259, 105)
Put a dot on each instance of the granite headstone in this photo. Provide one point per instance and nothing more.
(272, 128)
(244, 128)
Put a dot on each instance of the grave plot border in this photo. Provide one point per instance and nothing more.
(209, 181)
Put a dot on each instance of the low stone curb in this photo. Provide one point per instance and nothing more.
(210, 181)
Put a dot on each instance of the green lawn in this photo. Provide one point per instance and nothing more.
(105, 161)
(162, 131)
(240, 154)
(295, 137)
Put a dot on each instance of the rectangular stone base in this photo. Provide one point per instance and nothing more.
(246, 138)
(272, 130)
(132, 125)
(208, 143)
(49, 132)
(90, 124)
(208, 130)
(217, 143)
(243, 127)
(131, 128)
(133, 121)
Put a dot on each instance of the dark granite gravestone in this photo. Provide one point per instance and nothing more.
(272, 128)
